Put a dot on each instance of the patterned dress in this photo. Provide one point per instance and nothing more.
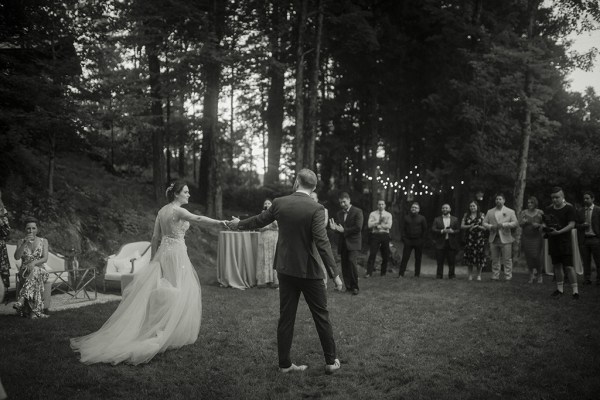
(4, 262)
(266, 254)
(33, 282)
(532, 241)
(474, 242)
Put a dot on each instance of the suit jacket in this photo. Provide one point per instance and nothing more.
(302, 236)
(581, 219)
(440, 238)
(507, 216)
(352, 229)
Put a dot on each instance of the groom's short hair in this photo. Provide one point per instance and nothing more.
(307, 178)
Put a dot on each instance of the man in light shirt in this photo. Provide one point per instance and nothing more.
(379, 223)
(500, 221)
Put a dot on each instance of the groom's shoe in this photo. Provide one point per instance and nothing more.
(331, 368)
(293, 368)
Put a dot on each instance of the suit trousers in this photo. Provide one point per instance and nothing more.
(590, 247)
(409, 246)
(445, 253)
(379, 241)
(315, 295)
(349, 267)
(501, 254)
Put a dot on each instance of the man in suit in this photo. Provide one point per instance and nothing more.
(500, 221)
(302, 239)
(588, 232)
(445, 229)
(414, 231)
(349, 225)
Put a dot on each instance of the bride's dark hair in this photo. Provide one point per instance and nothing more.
(174, 189)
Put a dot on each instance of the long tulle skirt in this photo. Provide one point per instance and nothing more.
(161, 309)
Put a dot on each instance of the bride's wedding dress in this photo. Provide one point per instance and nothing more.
(160, 310)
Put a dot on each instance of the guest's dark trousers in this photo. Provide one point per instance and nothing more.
(409, 246)
(590, 248)
(445, 253)
(349, 267)
(379, 241)
(315, 294)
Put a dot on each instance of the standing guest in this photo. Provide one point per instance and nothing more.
(4, 233)
(414, 231)
(532, 241)
(472, 224)
(380, 223)
(500, 221)
(315, 197)
(349, 225)
(33, 253)
(445, 229)
(265, 274)
(302, 235)
(559, 220)
(589, 237)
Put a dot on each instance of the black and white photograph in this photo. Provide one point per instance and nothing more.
(299, 199)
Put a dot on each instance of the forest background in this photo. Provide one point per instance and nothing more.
(425, 100)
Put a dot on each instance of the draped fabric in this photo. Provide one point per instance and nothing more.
(160, 310)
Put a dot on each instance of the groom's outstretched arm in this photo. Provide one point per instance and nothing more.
(258, 221)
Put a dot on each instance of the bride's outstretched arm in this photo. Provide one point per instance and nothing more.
(200, 219)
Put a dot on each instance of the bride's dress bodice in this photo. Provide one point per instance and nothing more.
(172, 228)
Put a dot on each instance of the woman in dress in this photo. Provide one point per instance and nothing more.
(4, 261)
(474, 251)
(265, 274)
(161, 309)
(33, 253)
(532, 240)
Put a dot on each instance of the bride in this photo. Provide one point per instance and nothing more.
(161, 309)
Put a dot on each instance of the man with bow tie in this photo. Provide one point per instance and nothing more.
(349, 225)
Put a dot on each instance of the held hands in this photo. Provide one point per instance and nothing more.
(233, 224)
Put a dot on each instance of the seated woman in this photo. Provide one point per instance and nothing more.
(265, 274)
(33, 253)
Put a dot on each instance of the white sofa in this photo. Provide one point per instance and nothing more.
(130, 258)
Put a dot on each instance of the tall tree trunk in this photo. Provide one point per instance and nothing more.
(276, 96)
(51, 161)
(168, 139)
(300, 86)
(210, 161)
(158, 158)
(521, 181)
(314, 92)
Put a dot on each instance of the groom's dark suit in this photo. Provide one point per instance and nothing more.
(302, 239)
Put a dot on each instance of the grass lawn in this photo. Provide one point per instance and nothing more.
(399, 339)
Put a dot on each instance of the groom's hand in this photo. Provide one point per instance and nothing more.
(338, 283)
(233, 224)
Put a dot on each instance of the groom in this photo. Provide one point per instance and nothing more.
(302, 239)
